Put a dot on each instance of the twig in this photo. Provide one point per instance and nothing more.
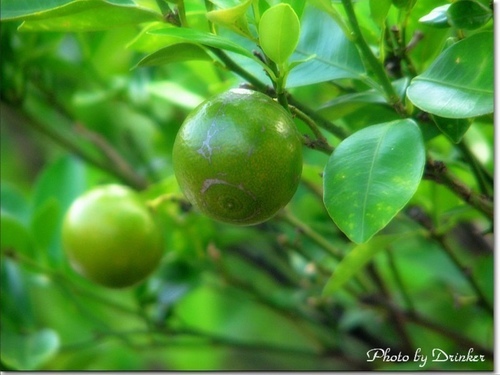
(321, 143)
(422, 321)
(318, 119)
(399, 281)
(120, 164)
(396, 316)
(438, 172)
(466, 272)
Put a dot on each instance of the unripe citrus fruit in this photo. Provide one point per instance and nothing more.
(238, 157)
(111, 238)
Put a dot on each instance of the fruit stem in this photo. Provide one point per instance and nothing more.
(321, 142)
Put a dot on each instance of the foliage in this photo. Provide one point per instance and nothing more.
(386, 244)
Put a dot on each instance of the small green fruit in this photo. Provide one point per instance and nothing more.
(238, 157)
(111, 238)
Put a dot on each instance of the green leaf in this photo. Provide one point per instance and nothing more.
(15, 9)
(348, 103)
(15, 236)
(467, 14)
(45, 224)
(326, 7)
(203, 38)
(336, 57)
(13, 202)
(459, 83)
(28, 351)
(327, 52)
(79, 15)
(437, 17)
(56, 188)
(233, 18)
(352, 263)
(371, 176)
(175, 53)
(379, 10)
(174, 93)
(453, 128)
(279, 31)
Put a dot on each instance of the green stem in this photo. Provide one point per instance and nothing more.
(399, 281)
(376, 66)
(313, 235)
(320, 143)
(182, 13)
(318, 119)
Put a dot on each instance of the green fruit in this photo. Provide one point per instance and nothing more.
(238, 157)
(111, 238)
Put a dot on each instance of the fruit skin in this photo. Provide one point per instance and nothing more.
(238, 157)
(111, 238)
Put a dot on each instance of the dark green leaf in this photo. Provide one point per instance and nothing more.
(459, 83)
(175, 53)
(15, 9)
(79, 15)
(453, 128)
(15, 236)
(28, 351)
(55, 189)
(336, 56)
(347, 103)
(45, 222)
(468, 14)
(13, 202)
(203, 38)
(437, 17)
(17, 306)
(371, 176)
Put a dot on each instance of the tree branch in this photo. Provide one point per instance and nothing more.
(438, 172)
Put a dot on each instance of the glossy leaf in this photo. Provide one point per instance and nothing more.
(279, 31)
(27, 351)
(371, 176)
(453, 128)
(437, 17)
(468, 14)
(328, 53)
(459, 83)
(357, 258)
(233, 18)
(203, 38)
(175, 53)
(336, 57)
(347, 103)
(80, 15)
(15, 9)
